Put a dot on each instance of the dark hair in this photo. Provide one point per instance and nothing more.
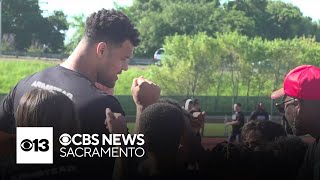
(41, 108)
(238, 104)
(256, 132)
(291, 146)
(290, 153)
(171, 101)
(225, 157)
(112, 26)
(260, 106)
(162, 124)
(195, 101)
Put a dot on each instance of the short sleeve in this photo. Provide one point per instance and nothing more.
(92, 113)
(7, 120)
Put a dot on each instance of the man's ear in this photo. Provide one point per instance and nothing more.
(101, 49)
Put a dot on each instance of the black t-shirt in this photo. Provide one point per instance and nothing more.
(311, 165)
(90, 105)
(259, 115)
(240, 119)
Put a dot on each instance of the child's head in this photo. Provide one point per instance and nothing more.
(43, 108)
(260, 106)
(260, 133)
(196, 104)
(162, 125)
(237, 107)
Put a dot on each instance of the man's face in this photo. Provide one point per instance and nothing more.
(261, 107)
(237, 108)
(293, 115)
(114, 61)
(234, 107)
(196, 106)
(190, 106)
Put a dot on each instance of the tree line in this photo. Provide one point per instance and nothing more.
(25, 28)
(157, 19)
(230, 64)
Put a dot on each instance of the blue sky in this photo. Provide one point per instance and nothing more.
(75, 7)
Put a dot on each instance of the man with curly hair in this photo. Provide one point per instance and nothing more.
(101, 55)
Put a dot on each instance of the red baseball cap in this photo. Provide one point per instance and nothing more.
(303, 82)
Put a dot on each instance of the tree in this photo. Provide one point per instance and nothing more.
(188, 64)
(78, 23)
(232, 20)
(157, 19)
(256, 11)
(274, 19)
(288, 21)
(24, 21)
(57, 26)
(19, 19)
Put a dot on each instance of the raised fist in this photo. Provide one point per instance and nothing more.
(145, 92)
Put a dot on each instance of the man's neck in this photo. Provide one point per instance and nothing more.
(80, 61)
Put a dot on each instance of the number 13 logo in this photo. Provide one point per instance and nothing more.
(38, 145)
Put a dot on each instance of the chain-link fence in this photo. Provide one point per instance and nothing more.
(214, 106)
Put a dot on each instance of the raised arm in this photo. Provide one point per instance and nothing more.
(144, 93)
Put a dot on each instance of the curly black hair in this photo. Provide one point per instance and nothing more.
(171, 101)
(112, 26)
(163, 124)
(255, 132)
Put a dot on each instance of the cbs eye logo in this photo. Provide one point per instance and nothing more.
(65, 139)
(37, 145)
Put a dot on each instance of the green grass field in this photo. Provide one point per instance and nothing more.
(13, 70)
(210, 129)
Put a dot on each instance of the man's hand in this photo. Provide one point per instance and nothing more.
(232, 123)
(115, 122)
(144, 92)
